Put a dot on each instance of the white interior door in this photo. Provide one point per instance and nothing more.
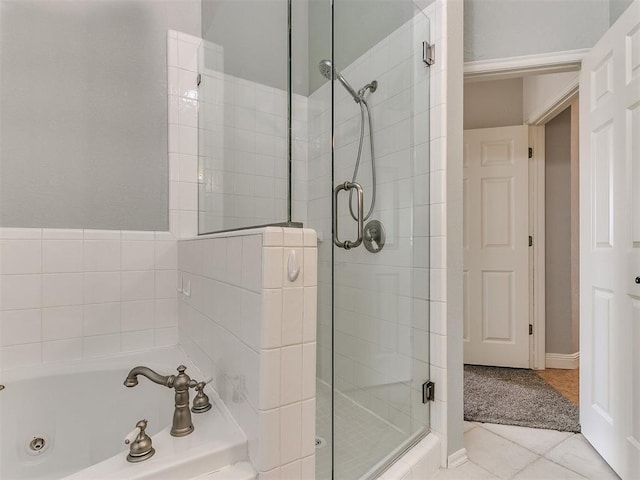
(495, 240)
(610, 245)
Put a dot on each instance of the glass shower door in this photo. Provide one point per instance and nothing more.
(380, 244)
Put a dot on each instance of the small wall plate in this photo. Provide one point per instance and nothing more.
(374, 236)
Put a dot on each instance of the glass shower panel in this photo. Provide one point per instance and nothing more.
(319, 189)
(381, 285)
(243, 118)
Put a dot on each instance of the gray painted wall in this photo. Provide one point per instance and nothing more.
(493, 104)
(616, 7)
(358, 24)
(510, 28)
(319, 40)
(254, 35)
(559, 329)
(83, 138)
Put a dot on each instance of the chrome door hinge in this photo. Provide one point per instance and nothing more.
(428, 392)
(530, 241)
(530, 329)
(428, 53)
(530, 152)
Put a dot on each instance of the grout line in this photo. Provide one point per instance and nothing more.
(523, 446)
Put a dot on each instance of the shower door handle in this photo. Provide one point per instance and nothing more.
(347, 244)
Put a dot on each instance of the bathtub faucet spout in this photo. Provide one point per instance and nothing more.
(180, 383)
(132, 378)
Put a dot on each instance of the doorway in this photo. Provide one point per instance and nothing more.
(521, 298)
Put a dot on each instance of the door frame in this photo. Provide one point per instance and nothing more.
(537, 299)
(515, 67)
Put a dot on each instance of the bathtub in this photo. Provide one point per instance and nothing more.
(69, 420)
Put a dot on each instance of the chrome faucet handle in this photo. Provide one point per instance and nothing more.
(201, 401)
(140, 445)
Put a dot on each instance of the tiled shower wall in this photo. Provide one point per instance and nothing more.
(182, 68)
(251, 327)
(244, 149)
(382, 300)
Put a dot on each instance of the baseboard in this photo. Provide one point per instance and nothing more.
(457, 458)
(567, 361)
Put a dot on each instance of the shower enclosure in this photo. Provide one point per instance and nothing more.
(324, 120)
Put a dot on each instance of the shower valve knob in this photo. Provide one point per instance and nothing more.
(638, 280)
(374, 236)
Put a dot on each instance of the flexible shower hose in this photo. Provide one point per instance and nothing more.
(363, 104)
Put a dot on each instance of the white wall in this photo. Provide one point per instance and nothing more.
(491, 104)
(511, 28)
(252, 329)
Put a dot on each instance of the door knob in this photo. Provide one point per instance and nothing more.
(638, 280)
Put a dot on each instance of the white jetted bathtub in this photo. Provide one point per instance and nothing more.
(71, 419)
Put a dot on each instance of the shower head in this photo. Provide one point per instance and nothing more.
(327, 71)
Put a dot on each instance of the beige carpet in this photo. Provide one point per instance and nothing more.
(567, 382)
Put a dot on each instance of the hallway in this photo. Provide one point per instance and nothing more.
(508, 452)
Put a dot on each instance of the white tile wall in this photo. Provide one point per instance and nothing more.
(69, 294)
(182, 69)
(242, 323)
(243, 149)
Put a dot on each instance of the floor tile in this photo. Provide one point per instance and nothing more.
(466, 471)
(545, 469)
(535, 439)
(578, 455)
(469, 425)
(362, 438)
(496, 454)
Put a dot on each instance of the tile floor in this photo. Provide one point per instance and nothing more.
(363, 438)
(507, 452)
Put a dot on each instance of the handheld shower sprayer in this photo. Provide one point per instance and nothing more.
(327, 71)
